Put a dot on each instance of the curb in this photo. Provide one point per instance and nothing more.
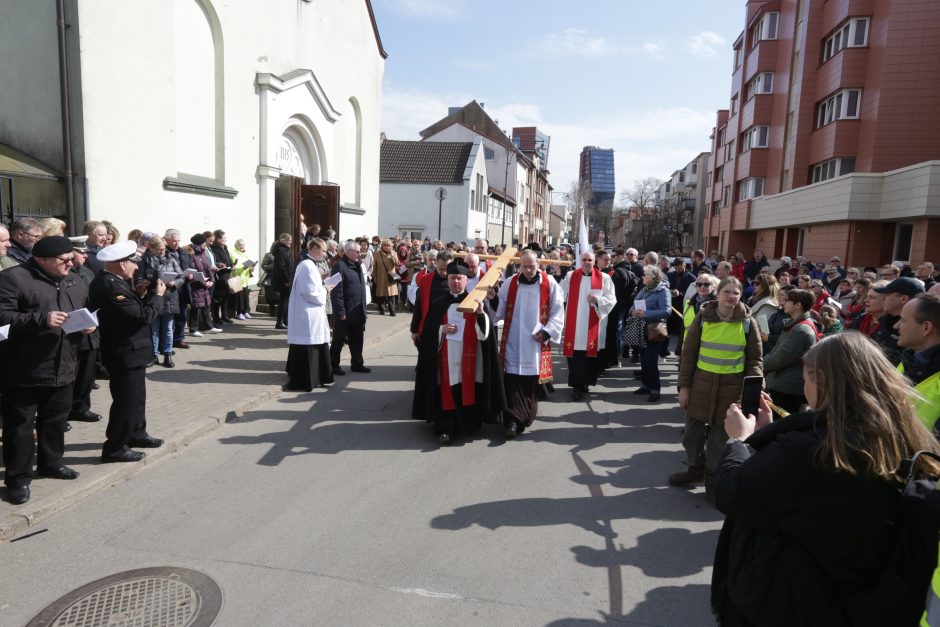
(14, 524)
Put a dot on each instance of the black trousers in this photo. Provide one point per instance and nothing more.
(352, 334)
(84, 381)
(43, 409)
(282, 307)
(128, 417)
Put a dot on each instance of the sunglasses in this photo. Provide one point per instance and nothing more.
(703, 285)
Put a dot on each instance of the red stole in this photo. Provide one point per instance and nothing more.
(424, 284)
(468, 366)
(571, 315)
(487, 264)
(545, 357)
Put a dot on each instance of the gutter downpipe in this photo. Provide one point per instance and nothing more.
(66, 126)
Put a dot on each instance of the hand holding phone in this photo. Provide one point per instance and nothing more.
(751, 394)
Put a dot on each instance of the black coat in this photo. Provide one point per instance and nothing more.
(124, 319)
(35, 355)
(491, 397)
(282, 273)
(438, 289)
(626, 283)
(752, 267)
(801, 545)
(349, 295)
(222, 256)
(88, 342)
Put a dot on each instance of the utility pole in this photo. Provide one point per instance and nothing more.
(440, 193)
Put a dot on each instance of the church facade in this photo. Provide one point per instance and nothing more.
(187, 113)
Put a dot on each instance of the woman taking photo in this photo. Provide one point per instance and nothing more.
(722, 346)
(810, 500)
(308, 335)
(655, 309)
(384, 277)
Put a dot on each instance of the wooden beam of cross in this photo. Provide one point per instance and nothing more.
(492, 276)
(543, 262)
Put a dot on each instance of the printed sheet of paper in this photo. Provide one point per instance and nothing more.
(4, 332)
(333, 280)
(249, 264)
(169, 277)
(79, 320)
(763, 325)
(639, 305)
(196, 275)
(458, 321)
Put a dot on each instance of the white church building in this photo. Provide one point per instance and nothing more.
(193, 114)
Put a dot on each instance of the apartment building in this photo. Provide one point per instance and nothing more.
(831, 142)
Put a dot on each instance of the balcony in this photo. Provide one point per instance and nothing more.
(902, 194)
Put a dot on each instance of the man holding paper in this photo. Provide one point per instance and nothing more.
(38, 363)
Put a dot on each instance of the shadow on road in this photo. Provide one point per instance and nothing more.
(668, 605)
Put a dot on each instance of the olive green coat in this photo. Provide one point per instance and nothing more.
(710, 394)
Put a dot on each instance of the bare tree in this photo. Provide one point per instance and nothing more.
(646, 223)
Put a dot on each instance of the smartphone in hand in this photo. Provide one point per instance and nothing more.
(750, 395)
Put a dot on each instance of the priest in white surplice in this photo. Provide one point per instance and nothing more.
(533, 314)
(589, 298)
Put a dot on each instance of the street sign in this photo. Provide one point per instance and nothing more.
(440, 193)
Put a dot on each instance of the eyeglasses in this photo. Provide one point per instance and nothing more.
(33, 235)
(65, 260)
(703, 285)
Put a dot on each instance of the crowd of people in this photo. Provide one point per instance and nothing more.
(848, 359)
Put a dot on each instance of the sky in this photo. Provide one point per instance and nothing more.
(642, 77)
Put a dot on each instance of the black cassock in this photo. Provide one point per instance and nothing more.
(490, 397)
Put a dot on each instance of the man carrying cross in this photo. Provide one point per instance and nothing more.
(458, 383)
(532, 310)
(589, 297)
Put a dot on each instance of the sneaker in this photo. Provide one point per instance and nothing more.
(214, 330)
(247, 316)
(240, 317)
(196, 334)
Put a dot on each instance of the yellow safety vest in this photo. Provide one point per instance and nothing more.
(722, 347)
(928, 410)
(688, 315)
(931, 617)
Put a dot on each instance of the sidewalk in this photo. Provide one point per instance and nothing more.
(220, 377)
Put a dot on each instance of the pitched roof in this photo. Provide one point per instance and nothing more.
(375, 29)
(474, 117)
(423, 162)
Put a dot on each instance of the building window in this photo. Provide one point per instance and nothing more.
(716, 209)
(903, 238)
(843, 105)
(762, 83)
(737, 57)
(755, 137)
(800, 239)
(852, 34)
(725, 195)
(766, 28)
(729, 150)
(694, 168)
(832, 168)
(682, 176)
(734, 105)
(751, 187)
(719, 172)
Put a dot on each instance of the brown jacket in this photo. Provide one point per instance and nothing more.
(385, 263)
(710, 394)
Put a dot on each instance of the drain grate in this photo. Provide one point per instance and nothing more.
(147, 597)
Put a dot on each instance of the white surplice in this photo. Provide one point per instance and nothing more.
(306, 309)
(455, 346)
(605, 303)
(523, 352)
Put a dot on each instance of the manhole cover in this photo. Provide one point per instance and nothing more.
(147, 597)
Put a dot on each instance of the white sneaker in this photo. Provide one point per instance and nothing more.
(196, 334)
(240, 317)
(214, 330)
(247, 316)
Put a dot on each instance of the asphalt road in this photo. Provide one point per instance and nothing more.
(336, 508)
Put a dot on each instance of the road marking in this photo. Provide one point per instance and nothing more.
(427, 593)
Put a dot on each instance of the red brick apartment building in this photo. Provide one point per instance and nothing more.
(831, 145)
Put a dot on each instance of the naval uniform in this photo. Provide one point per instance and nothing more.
(126, 347)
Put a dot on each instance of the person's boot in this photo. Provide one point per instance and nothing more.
(694, 474)
(391, 307)
(168, 361)
(710, 488)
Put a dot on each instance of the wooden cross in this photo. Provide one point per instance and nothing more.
(515, 259)
(469, 304)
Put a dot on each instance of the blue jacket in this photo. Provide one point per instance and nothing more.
(657, 302)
